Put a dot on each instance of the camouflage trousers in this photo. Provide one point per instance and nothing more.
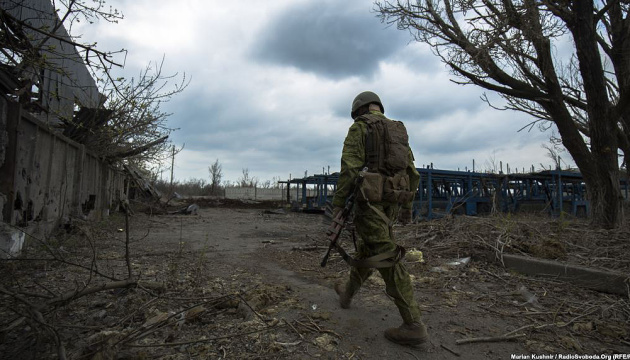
(376, 237)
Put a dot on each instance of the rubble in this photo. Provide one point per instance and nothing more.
(225, 294)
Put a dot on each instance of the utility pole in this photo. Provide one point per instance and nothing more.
(172, 166)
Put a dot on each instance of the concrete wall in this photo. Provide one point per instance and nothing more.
(264, 194)
(47, 178)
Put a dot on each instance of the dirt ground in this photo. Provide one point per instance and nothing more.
(245, 281)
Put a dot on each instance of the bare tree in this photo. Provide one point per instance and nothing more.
(275, 182)
(511, 47)
(554, 150)
(136, 126)
(55, 71)
(216, 174)
(246, 180)
(492, 164)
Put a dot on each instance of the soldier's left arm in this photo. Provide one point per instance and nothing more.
(352, 160)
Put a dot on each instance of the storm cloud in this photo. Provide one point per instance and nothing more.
(272, 84)
(329, 38)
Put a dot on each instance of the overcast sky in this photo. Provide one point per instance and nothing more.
(272, 84)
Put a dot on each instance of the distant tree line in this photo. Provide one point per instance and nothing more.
(215, 185)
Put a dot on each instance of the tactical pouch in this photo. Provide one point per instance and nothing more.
(371, 188)
(396, 189)
(396, 146)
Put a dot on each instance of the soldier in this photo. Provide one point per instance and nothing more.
(385, 193)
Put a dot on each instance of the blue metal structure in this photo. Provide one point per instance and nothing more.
(464, 192)
(320, 183)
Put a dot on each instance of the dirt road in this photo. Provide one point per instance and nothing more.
(275, 248)
(243, 281)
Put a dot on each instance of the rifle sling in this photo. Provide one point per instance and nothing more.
(378, 212)
(384, 260)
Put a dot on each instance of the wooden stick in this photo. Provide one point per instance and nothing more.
(294, 329)
(449, 350)
(489, 339)
(519, 329)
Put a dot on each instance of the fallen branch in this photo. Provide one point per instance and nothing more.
(294, 329)
(288, 344)
(322, 330)
(449, 350)
(36, 316)
(203, 340)
(489, 339)
(252, 309)
(512, 335)
(138, 150)
(75, 294)
(308, 248)
(55, 255)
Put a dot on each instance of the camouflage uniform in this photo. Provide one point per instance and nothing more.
(375, 233)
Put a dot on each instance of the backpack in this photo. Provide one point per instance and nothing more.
(387, 158)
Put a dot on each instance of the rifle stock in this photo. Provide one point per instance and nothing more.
(339, 222)
(336, 227)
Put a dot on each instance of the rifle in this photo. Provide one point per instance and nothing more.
(339, 222)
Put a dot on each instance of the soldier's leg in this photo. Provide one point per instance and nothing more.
(374, 238)
(374, 229)
(357, 277)
(371, 233)
(398, 285)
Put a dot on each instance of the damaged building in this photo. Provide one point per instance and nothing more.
(47, 175)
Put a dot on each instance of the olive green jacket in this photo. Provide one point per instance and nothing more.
(353, 160)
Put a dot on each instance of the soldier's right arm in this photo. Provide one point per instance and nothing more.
(352, 161)
(414, 179)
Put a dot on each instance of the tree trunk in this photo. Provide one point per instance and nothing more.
(605, 194)
(602, 183)
(605, 198)
(599, 166)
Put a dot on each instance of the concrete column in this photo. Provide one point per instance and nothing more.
(8, 167)
(78, 181)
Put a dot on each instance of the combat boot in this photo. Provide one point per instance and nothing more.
(413, 334)
(344, 299)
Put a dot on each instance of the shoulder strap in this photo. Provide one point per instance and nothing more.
(373, 141)
(384, 260)
(369, 118)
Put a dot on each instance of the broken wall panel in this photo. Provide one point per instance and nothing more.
(65, 80)
(46, 178)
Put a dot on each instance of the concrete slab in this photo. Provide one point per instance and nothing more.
(595, 279)
(11, 241)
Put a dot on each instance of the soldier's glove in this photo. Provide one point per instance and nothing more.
(404, 216)
(336, 211)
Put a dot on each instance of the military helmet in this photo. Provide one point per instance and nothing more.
(364, 98)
